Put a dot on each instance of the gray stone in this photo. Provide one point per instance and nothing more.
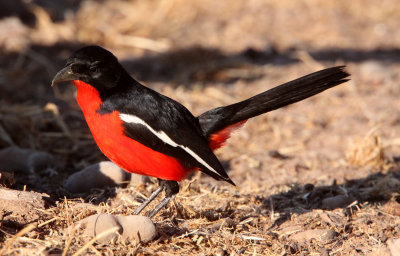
(100, 175)
(15, 159)
(99, 223)
(132, 227)
(339, 201)
(137, 227)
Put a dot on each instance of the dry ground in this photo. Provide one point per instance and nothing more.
(328, 164)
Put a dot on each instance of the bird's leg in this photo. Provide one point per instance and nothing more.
(148, 200)
(171, 188)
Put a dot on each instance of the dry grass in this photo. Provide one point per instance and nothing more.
(285, 163)
(366, 151)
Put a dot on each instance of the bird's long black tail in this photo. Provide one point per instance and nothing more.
(217, 119)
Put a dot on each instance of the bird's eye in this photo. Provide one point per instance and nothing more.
(92, 68)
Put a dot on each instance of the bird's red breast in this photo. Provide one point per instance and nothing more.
(130, 155)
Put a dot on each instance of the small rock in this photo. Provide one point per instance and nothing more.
(14, 159)
(137, 179)
(99, 223)
(137, 227)
(394, 246)
(100, 175)
(321, 235)
(25, 160)
(39, 161)
(339, 201)
(133, 227)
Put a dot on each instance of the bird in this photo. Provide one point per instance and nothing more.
(145, 132)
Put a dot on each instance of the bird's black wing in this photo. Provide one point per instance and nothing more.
(164, 125)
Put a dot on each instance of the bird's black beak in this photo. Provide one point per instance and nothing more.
(65, 74)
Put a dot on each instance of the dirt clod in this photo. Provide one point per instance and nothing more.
(335, 202)
(133, 227)
(25, 160)
(137, 227)
(21, 206)
(99, 223)
(100, 175)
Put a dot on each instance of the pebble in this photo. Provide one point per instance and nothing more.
(137, 179)
(99, 175)
(99, 223)
(132, 227)
(137, 227)
(340, 201)
(15, 159)
(321, 235)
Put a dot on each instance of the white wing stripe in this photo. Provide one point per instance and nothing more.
(165, 138)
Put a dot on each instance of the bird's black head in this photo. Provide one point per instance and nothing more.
(93, 65)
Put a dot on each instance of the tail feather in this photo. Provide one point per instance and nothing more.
(217, 119)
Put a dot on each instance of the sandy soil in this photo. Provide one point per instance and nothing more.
(320, 177)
